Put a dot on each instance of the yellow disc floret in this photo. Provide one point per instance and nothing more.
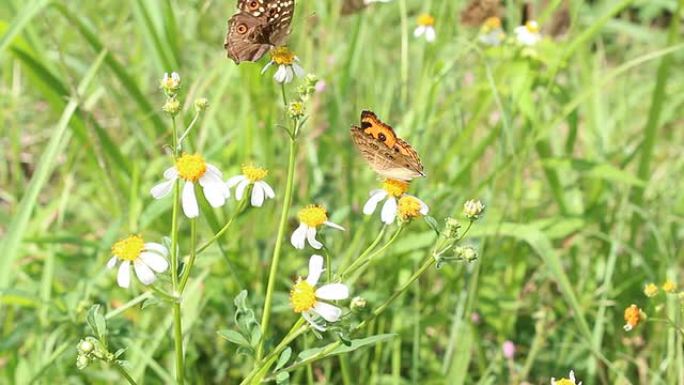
(395, 188)
(669, 287)
(282, 55)
(491, 23)
(564, 381)
(254, 174)
(302, 296)
(191, 167)
(312, 215)
(532, 26)
(651, 290)
(128, 249)
(408, 207)
(632, 317)
(426, 20)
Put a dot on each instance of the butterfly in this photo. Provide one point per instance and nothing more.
(477, 11)
(256, 27)
(387, 154)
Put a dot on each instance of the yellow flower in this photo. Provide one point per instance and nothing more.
(410, 207)
(669, 287)
(426, 27)
(651, 290)
(632, 317)
(288, 65)
(146, 258)
(566, 381)
(252, 176)
(310, 218)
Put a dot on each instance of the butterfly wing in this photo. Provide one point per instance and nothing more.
(387, 154)
(245, 40)
(352, 6)
(477, 11)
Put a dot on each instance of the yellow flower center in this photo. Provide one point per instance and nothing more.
(426, 20)
(312, 215)
(395, 188)
(282, 55)
(632, 316)
(302, 296)
(532, 26)
(651, 290)
(492, 23)
(254, 174)
(408, 207)
(669, 287)
(191, 167)
(128, 249)
(564, 381)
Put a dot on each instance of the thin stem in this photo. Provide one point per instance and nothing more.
(177, 326)
(124, 373)
(282, 89)
(364, 259)
(193, 256)
(369, 248)
(266, 315)
(190, 126)
(223, 230)
(178, 343)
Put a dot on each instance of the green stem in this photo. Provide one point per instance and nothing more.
(282, 89)
(220, 233)
(266, 315)
(369, 248)
(178, 343)
(364, 259)
(177, 326)
(124, 373)
(193, 256)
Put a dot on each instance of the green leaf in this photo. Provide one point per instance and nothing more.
(354, 345)
(284, 358)
(234, 337)
(97, 322)
(283, 378)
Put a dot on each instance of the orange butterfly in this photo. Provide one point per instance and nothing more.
(387, 154)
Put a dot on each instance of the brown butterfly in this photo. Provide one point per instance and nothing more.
(387, 154)
(256, 27)
(477, 11)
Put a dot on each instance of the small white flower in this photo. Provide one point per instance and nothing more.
(170, 84)
(310, 218)
(491, 32)
(392, 191)
(304, 297)
(288, 65)
(192, 169)
(528, 34)
(565, 381)
(426, 27)
(147, 259)
(252, 176)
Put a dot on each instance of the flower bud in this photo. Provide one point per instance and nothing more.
(296, 110)
(82, 362)
(172, 107)
(451, 228)
(472, 209)
(85, 346)
(170, 84)
(201, 105)
(465, 253)
(650, 290)
(358, 304)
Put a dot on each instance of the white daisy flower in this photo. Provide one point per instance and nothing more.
(426, 27)
(304, 297)
(310, 218)
(528, 34)
(566, 381)
(193, 169)
(288, 65)
(147, 259)
(491, 32)
(252, 176)
(392, 192)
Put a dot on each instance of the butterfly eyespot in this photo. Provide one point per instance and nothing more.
(241, 29)
(382, 137)
(253, 5)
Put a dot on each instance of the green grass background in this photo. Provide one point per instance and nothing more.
(576, 153)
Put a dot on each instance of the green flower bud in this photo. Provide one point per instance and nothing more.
(172, 107)
(201, 105)
(82, 362)
(472, 209)
(85, 346)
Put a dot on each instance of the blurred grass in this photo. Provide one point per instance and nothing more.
(576, 154)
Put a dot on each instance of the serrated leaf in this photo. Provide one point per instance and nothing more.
(284, 358)
(234, 337)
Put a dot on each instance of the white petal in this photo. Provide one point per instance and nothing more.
(315, 269)
(210, 177)
(123, 278)
(430, 34)
(419, 31)
(333, 292)
(333, 225)
(232, 181)
(311, 237)
(307, 316)
(258, 195)
(170, 173)
(281, 74)
(162, 189)
(240, 190)
(299, 236)
(112, 262)
(298, 70)
(214, 170)
(266, 67)
(189, 201)
(156, 247)
(572, 376)
(372, 203)
(389, 211)
(215, 193)
(329, 312)
(270, 194)
(144, 273)
(155, 261)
